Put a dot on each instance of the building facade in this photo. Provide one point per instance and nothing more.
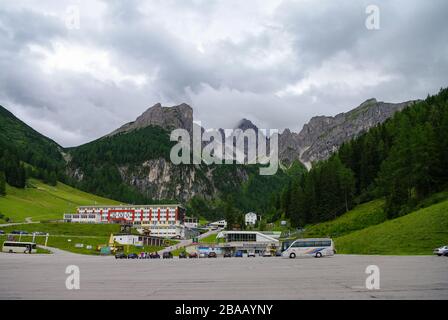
(161, 220)
(191, 222)
(250, 218)
(219, 224)
(137, 240)
(246, 241)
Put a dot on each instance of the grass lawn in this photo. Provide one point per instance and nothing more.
(177, 251)
(360, 217)
(66, 235)
(209, 239)
(416, 233)
(44, 202)
(43, 251)
(68, 243)
(67, 229)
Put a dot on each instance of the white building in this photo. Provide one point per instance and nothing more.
(219, 224)
(137, 240)
(247, 241)
(250, 218)
(161, 220)
(191, 222)
(128, 239)
(249, 236)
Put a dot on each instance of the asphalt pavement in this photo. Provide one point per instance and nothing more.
(340, 277)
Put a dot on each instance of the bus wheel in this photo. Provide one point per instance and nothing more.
(292, 255)
(318, 255)
(10, 251)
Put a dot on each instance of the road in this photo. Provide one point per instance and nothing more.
(27, 221)
(338, 277)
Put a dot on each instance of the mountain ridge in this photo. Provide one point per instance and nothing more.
(179, 116)
(143, 172)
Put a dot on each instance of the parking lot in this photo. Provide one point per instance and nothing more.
(338, 277)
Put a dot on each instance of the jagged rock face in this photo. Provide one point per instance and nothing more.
(180, 116)
(289, 148)
(322, 136)
(160, 179)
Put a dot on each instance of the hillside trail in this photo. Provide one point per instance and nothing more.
(28, 220)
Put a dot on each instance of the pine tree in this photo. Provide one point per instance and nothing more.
(347, 181)
(2, 183)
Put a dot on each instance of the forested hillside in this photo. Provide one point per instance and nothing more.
(94, 167)
(404, 160)
(20, 144)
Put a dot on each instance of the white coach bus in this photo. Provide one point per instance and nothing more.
(19, 247)
(309, 248)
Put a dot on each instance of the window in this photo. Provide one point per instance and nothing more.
(23, 245)
(297, 244)
(307, 244)
(241, 237)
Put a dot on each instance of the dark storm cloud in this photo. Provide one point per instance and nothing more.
(275, 62)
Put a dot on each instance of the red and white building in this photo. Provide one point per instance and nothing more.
(161, 220)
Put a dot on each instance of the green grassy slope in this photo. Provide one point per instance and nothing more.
(362, 216)
(68, 243)
(68, 229)
(42, 202)
(418, 233)
(65, 236)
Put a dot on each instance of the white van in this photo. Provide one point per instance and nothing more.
(310, 248)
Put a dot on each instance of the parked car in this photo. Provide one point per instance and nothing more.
(442, 251)
(120, 255)
(182, 255)
(39, 233)
(239, 254)
(154, 255)
(143, 255)
(167, 255)
(212, 254)
(202, 255)
(132, 256)
(2, 232)
(19, 232)
(251, 254)
(267, 253)
(227, 255)
(193, 255)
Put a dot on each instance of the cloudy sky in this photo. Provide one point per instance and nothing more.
(275, 62)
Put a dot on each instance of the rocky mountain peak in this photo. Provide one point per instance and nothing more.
(180, 116)
(324, 135)
(245, 124)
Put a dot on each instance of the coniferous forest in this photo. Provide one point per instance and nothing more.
(403, 160)
(25, 153)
